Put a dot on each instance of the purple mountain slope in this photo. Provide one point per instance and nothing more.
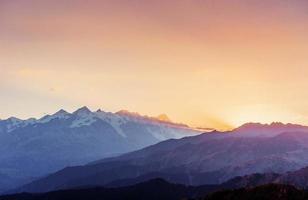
(210, 158)
(36, 147)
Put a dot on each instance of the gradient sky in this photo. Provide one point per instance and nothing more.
(210, 63)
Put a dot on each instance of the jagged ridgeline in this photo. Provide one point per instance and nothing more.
(209, 158)
(36, 147)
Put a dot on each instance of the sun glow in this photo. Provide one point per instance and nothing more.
(262, 114)
(205, 63)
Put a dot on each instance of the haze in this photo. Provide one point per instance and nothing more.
(205, 63)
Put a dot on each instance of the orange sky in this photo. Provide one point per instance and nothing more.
(203, 62)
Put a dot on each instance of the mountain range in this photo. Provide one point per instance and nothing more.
(36, 147)
(209, 158)
(150, 190)
(163, 190)
(298, 179)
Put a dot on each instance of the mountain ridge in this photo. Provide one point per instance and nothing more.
(36, 147)
(85, 110)
(161, 189)
(208, 158)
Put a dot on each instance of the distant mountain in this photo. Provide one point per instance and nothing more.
(268, 130)
(35, 147)
(252, 180)
(297, 178)
(209, 158)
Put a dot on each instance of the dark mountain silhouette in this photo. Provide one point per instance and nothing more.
(264, 192)
(209, 158)
(250, 181)
(298, 178)
(162, 190)
(151, 190)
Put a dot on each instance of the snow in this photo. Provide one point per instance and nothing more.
(83, 121)
(13, 123)
(62, 139)
(84, 117)
(114, 120)
(84, 111)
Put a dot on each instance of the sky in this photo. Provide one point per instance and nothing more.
(206, 63)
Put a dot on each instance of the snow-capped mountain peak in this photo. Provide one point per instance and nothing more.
(13, 123)
(61, 113)
(82, 111)
(61, 139)
(14, 120)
